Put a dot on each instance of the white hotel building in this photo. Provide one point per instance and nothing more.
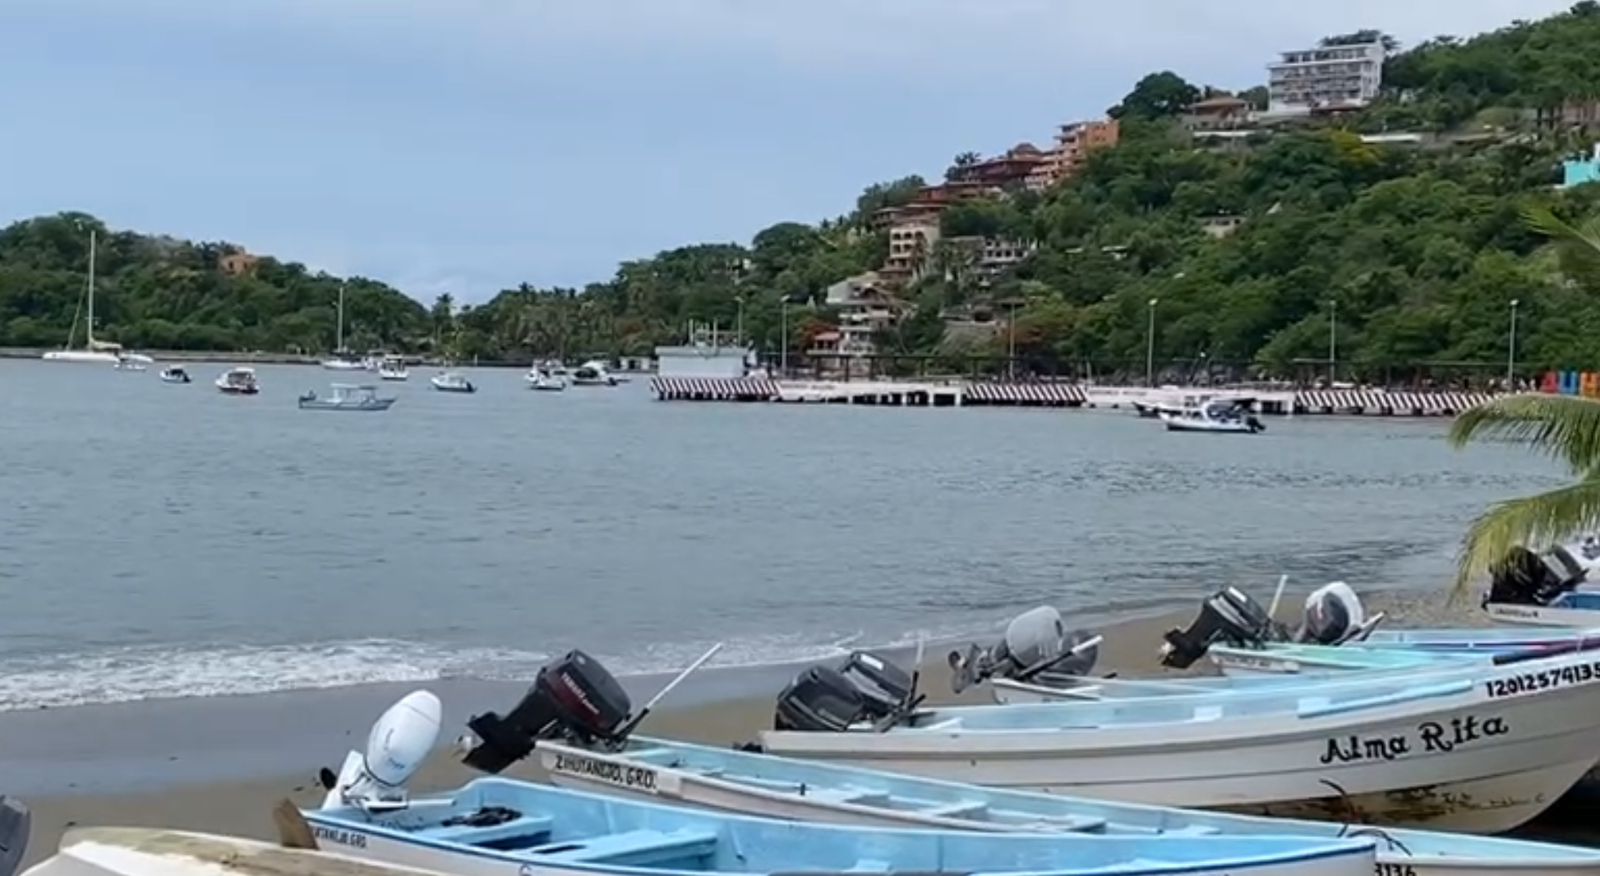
(1324, 78)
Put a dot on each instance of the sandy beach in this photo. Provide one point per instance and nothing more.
(220, 764)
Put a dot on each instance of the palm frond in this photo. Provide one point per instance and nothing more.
(1577, 246)
(1566, 427)
(1533, 522)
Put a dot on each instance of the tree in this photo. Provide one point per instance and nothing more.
(1155, 96)
(1361, 37)
(967, 159)
(1566, 428)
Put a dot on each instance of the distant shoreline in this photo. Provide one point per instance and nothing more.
(260, 358)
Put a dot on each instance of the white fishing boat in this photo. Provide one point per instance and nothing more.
(342, 359)
(141, 851)
(94, 352)
(1546, 589)
(175, 374)
(238, 381)
(498, 827)
(393, 368)
(1480, 755)
(346, 397)
(451, 381)
(1222, 416)
(592, 373)
(136, 362)
(548, 376)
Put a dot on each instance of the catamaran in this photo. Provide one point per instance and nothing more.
(95, 352)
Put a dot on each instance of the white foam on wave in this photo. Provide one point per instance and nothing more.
(144, 673)
(149, 673)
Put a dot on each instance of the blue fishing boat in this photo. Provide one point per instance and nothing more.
(500, 827)
(1402, 650)
(346, 397)
(759, 784)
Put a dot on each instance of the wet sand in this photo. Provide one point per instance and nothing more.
(219, 765)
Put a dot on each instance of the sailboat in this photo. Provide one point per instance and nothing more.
(342, 360)
(94, 352)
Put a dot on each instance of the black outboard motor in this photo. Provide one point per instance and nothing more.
(1036, 645)
(865, 687)
(884, 687)
(15, 824)
(1526, 578)
(573, 698)
(1229, 616)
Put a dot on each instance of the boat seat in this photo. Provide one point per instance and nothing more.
(958, 809)
(533, 827)
(634, 848)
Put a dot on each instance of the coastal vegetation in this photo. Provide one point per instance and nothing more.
(1406, 254)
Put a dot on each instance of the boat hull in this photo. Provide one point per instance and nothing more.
(1543, 615)
(81, 357)
(366, 407)
(631, 777)
(1476, 757)
(120, 851)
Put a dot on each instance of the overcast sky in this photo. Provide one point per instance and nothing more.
(468, 145)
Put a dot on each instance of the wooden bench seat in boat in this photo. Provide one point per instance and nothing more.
(634, 848)
(531, 828)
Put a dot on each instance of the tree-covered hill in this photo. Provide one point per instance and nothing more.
(1414, 251)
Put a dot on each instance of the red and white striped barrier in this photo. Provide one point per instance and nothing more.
(1026, 394)
(713, 388)
(1379, 402)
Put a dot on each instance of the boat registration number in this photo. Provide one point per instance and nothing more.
(610, 772)
(1384, 868)
(1529, 682)
(340, 837)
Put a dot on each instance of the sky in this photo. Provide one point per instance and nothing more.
(466, 146)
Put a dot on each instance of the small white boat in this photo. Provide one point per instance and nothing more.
(592, 373)
(1545, 589)
(238, 381)
(346, 397)
(175, 374)
(1218, 415)
(393, 368)
(94, 352)
(141, 851)
(451, 381)
(549, 376)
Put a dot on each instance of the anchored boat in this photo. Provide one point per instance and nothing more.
(1230, 415)
(175, 374)
(238, 381)
(451, 381)
(346, 397)
(550, 376)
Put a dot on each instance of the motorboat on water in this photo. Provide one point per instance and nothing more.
(238, 381)
(94, 352)
(495, 826)
(592, 373)
(1218, 415)
(393, 368)
(175, 374)
(451, 381)
(346, 397)
(548, 376)
(133, 362)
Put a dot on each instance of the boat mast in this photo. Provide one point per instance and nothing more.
(340, 347)
(90, 335)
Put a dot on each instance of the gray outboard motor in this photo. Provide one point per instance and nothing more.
(1228, 616)
(1333, 615)
(1036, 645)
(15, 823)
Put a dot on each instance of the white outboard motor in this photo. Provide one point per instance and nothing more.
(1333, 612)
(400, 741)
(1035, 643)
(15, 823)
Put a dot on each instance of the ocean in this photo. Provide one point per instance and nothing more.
(162, 541)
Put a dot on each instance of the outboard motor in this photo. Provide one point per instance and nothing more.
(398, 743)
(1526, 578)
(1036, 644)
(1333, 614)
(15, 824)
(1229, 616)
(884, 687)
(573, 698)
(865, 687)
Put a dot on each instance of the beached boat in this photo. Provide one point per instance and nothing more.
(451, 381)
(1480, 754)
(393, 368)
(548, 376)
(757, 784)
(238, 381)
(175, 374)
(1221, 416)
(141, 851)
(346, 397)
(500, 827)
(1545, 589)
(592, 373)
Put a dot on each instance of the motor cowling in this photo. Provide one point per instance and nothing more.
(15, 825)
(820, 699)
(1526, 578)
(1036, 643)
(573, 698)
(884, 687)
(1333, 613)
(1228, 616)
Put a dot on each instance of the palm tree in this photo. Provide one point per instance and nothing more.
(1566, 428)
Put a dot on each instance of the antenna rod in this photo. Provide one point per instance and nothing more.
(666, 689)
(1272, 610)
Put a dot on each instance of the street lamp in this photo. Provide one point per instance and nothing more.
(1333, 339)
(1511, 349)
(1150, 347)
